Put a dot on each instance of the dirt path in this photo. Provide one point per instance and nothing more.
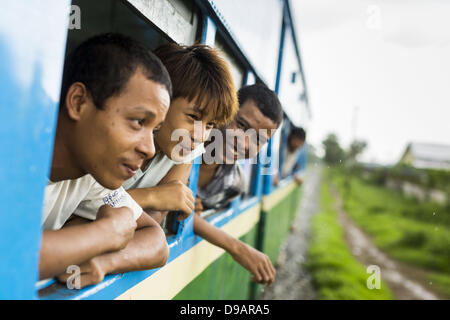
(293, 282)
(406, 282)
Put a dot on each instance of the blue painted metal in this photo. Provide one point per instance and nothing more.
(249, 78)
(290, 18)
(281, 50)
(209, 31)
(32, 44)
(268, 176)
(266, 170)
(256, 186)
(186, 226)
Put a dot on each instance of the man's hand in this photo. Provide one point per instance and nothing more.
(171, 196)
(83, 239)
(147, 250)
(119, 222)
(91, 272)
(198, 206)
(276, 180)
(298, 180)
(256, 262)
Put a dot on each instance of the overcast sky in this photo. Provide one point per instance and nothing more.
(387, 59)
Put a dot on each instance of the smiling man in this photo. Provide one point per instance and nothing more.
(114, 94)
(222, 179)
(219, 183)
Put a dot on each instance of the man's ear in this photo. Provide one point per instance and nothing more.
(76, 100)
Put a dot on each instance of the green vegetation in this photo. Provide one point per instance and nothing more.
(336, 155)
(425, 178)
(336, 273)
(441, 281)
(410, 231)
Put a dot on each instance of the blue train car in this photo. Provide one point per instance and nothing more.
(34, 39)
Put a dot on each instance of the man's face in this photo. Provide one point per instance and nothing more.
(248, 117)
(294, 143)
(183, 116)
(112, 143)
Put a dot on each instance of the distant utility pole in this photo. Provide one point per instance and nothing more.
(350, 165)
(354, 122)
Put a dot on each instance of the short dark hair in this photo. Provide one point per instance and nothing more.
(105, 63)
(298, 132)
(199, 74)
(265, 99)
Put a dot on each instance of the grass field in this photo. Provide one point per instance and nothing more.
(336, 273)
(409, 231)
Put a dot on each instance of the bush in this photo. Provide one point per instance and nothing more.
(413, 239)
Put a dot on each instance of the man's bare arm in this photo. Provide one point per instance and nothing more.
(147, 250)
(158, 216)
(79, 242)
(179, 172)
(253, 260)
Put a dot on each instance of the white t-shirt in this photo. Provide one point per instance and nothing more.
(157, 169)
(82, 197)
(289, 161)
